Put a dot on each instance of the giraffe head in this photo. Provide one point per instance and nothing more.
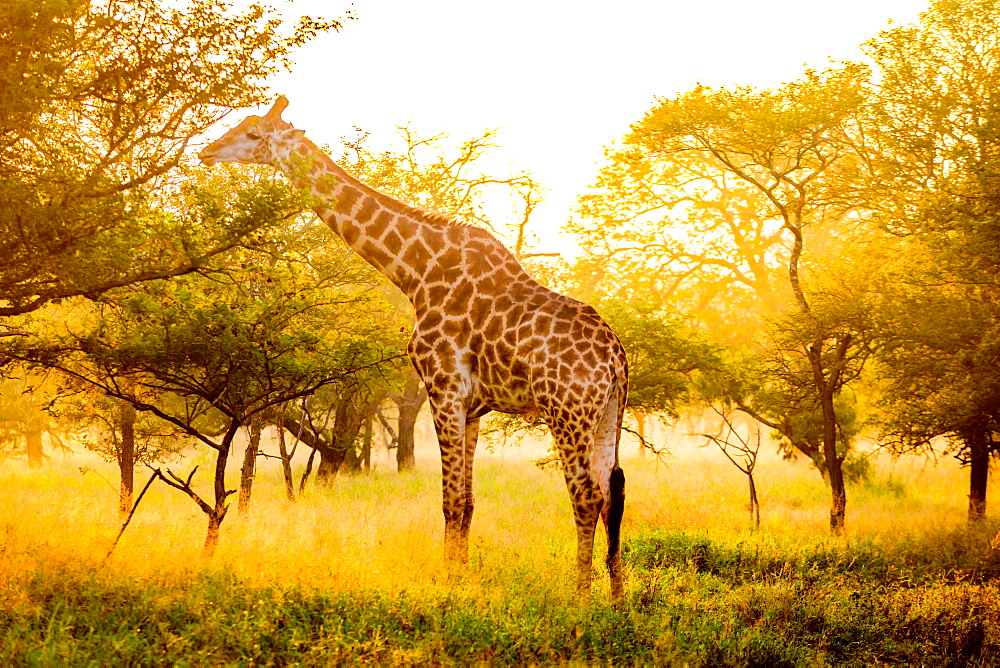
(262, 140)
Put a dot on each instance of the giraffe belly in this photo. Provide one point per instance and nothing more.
(506, 400)
(504, 390)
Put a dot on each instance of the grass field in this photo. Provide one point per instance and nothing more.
(353, 573)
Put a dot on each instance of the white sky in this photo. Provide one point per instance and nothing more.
(559, 80)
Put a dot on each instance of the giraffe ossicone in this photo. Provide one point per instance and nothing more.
(487, 337)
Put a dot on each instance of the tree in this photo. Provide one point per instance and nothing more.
(99, 100)
(274, 319)
(679, 228)
(118, 433)
(26, 401)
(742, 453)
(942, 391)
(408, 403)
(933, 147)
(683, 229)
(792, 145)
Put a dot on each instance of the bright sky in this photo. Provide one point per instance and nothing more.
(560, 80)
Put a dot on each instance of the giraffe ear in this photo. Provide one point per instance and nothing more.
(279, 106)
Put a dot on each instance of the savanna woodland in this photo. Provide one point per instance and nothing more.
(806, 280)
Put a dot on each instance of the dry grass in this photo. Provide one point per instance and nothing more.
(384, 531)
(702, 587)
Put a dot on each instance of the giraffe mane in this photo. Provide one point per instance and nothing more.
(426, 215)
(438, 217)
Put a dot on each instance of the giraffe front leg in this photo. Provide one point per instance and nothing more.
(457, 439)
(458, 498)
(456, 547)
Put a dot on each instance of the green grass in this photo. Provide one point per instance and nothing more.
(352, 574)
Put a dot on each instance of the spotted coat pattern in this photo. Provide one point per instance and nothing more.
(487, 336)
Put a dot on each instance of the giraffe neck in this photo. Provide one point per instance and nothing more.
(388, 234)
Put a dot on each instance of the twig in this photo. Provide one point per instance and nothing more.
(185, 486)
(128, 519)
(659, 452)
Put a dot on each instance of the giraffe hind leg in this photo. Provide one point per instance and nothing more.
(611, 478)
(585, 495)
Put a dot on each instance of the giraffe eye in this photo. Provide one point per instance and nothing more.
(253, 135)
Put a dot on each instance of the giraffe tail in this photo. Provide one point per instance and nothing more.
(616, 502)
(616, 510)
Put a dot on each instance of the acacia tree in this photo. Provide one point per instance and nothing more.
(942, 391)
(683, 229)
(274, 319)
(98, 102)
(935, 183)
(793, 145)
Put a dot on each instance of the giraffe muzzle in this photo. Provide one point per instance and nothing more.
(207, 157)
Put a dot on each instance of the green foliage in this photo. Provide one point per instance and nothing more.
(936, 173)
(98, 102)
(279, 316)
(936, 112)
(939, 368)
(693, 601)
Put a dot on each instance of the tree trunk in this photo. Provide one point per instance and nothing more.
(640, 429)
(33, 448)
(352, 462)
(979, 472)
(366, 444)
(330, 457)
(286, 463)
(835, 473)
(409, 403)
(346, 429)
(309, 468)
(212, 537)
(126, 459)
(329, 464)
(249, 469)
(220, 508)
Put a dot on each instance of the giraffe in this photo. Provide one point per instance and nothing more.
(487, 336)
